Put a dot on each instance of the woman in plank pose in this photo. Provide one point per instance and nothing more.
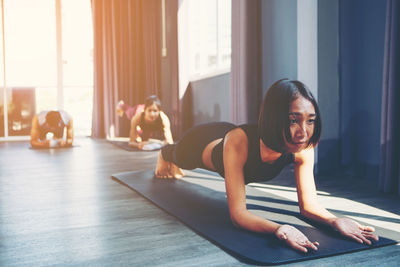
(150, 126)
(289, 127)
(48, 129)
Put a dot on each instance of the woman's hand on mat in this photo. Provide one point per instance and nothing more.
(294, 238)
(354, 230)
(62, 143)
(142, 144)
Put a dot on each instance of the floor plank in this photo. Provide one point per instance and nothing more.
(60, 207)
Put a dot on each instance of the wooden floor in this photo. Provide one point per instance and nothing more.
(60, 207)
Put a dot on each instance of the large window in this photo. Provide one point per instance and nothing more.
(204, 37)
(47, 58)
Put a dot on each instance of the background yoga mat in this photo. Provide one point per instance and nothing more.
(57, 147)
(125, 145)
(199, 201)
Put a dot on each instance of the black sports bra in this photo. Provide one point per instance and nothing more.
(254, 169)
(153, 130)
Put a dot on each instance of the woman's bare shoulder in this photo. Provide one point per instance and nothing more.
(164, 117)
(136, 119)
(237, 139)
(235, 147)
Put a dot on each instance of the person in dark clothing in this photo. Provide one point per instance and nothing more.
(288, 129)
(150, 127)
(48, 129)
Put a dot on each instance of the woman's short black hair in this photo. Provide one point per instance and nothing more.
(53, 118)
(153, 99)
(273, 120)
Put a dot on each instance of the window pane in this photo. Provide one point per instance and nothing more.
(77, 43)
(203, 36)
(1, 58)
(78, 103)
(210, 35)
(206, 36)
(30, 43)
(2, 111)
(224, 36)
(21, 110)
(31, 61)
(46, 98)
(78, 63)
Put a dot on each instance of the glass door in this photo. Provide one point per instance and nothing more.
(46, 63)
(77, 51)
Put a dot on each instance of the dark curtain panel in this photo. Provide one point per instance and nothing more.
(246, 61)
(390, 132)
(127, 56)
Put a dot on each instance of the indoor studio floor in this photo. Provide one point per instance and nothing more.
(61, 207)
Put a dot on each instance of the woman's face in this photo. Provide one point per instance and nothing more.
(301, 124)
(151, 113)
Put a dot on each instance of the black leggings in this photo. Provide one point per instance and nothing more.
(187, 152)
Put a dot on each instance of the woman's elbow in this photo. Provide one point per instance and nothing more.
(234, 221)
(34, 142)
(236, 218)
(304, 212)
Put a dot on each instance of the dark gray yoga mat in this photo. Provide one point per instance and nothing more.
(199, 201)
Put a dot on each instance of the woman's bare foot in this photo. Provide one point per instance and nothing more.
(175, 171)
(162, 168)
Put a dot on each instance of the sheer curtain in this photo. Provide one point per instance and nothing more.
(389, 180)
(127, 49)
(246, 61)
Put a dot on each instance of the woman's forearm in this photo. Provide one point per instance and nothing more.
(39, 143)
(254, 223)
(134, 144)
(319, 214)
